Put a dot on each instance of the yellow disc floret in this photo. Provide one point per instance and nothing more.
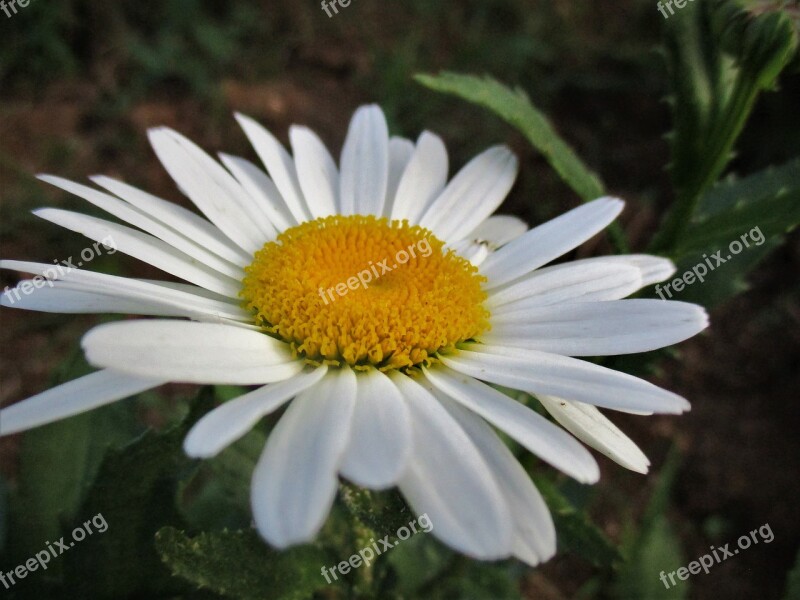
(364, 291)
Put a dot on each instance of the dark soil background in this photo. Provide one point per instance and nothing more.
(80, 82)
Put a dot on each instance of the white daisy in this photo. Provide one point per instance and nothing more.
(387, 384)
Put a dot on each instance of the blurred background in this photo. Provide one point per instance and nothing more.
(81, 81)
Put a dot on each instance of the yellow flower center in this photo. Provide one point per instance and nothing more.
(364, 291)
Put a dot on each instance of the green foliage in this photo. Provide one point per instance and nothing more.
(141, 475)
(237, 564)
(475, 580)
(755, 213)
(148, 44)
(514, 107)
(57, 464)
(720, 57)
(733, 193)
(417, 562)
(793, 582)
(653, 548)
(86, 466)
(576, 532)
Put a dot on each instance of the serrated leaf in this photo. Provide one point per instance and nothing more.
(772, 216)
(714, 92)
(732, 193)
(576, 533)
(724, 281)
(514, 107)
(739, 224)
(238, 564)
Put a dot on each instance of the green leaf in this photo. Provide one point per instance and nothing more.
(135, 494)
(238, 564)
(658, 550)
(732, 193)
(740, 222)
(655, 548)
(772, 216)
(724, 282)
(576, 533)
(217, 496)
(515, 108)
(58, 462)
(793, 581)
(417, 562)
(470, 579)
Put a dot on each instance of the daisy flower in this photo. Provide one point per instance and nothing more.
(387, 381)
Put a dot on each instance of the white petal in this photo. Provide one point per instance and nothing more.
(570, 282)
(380, 439)
(208, 186)
(144, 247)
(137, 218)
(473, 194)
(230, 421)
(262, 188)
(534, 432)
(475, 253)
(652, 268)
(365, 163)
(449, 480)
(294, 482)
(542, 373)
(498, 230)
(423, 180)
(598, 328)
(534, 531)
(591, 427)
(187, 352)
(195, 227)
(72, 398)
(279, 164)
(316, 172)
(219, 178)
(189, 299)
(550, 240)
(400, 152)
(55, 297)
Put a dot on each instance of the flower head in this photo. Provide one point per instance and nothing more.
(379, 302)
